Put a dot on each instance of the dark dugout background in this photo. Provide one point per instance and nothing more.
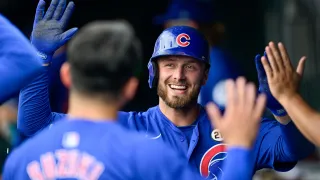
(244, 21)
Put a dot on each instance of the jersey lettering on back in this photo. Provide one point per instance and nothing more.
(65, 164)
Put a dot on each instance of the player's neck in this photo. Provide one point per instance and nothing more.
(180, 117)
(91, 109)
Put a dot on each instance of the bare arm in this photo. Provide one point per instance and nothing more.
(284, 82)
(305, 118)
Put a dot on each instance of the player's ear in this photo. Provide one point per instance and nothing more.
(65, 75)
(129, 90)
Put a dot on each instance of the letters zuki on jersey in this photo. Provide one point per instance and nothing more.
(65, 164)
(211, 162)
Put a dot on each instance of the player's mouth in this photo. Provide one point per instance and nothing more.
(178, 88)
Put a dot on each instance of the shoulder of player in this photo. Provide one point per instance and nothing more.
(137, 114)
(31, 142)
(18, 153)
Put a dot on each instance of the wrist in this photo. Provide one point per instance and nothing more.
(286, 100)
(46, 58)
(238, 148)
(244, 144)
(284, 120)
(279, 112)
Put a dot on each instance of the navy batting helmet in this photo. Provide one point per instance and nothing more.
(178, 41)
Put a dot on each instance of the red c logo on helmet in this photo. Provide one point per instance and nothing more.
(185, 42)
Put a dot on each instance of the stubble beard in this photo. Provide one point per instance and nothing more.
(177, 102)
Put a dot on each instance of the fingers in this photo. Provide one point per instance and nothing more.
(260, 70)
(68, 35)
(214, 115)
(279, 61)
(39, 11)
(67, 14)
(231, 94)
(258, 57)
(272, 59)
(285, 57)
(259, 66)
(241, 91)
(59, 10)
(259, 106)
(300, 67)
(51, 9)
(246, 97)
(250, 98)
(266, 67)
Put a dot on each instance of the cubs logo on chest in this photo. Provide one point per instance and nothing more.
(212, 160)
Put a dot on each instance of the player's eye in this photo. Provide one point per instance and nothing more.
(169, 65)
(190, 67)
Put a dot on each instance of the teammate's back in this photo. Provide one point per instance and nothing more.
(83, 149)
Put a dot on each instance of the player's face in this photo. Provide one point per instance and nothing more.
(180, 80)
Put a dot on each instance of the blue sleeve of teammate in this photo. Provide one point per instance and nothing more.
(34, 112)
(239, 164)
(161, 162)
(48, 35)
(281, 146)
(19, 62)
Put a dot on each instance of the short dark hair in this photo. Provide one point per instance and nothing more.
(103, 56)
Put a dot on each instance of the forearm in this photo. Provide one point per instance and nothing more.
(305, 118)
(283, 119)
(34, 111)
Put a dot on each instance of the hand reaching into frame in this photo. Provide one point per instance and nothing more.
(240, 123)
(49, 26)
(283, 79)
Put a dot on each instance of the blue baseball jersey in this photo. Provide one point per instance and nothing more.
(223, 67)
(206, 151)
(277, 146)
(68, 150)
(19, 63)
(239, 165)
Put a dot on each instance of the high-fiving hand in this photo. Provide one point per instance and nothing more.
(272, 103)
(48, 29)
(282, 78)
(240, 123)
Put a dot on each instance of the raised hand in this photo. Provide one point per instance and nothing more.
(48, 32)
(240, 123)
(283, 79)
(272, 104)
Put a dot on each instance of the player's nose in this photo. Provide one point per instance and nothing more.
(179, 74)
